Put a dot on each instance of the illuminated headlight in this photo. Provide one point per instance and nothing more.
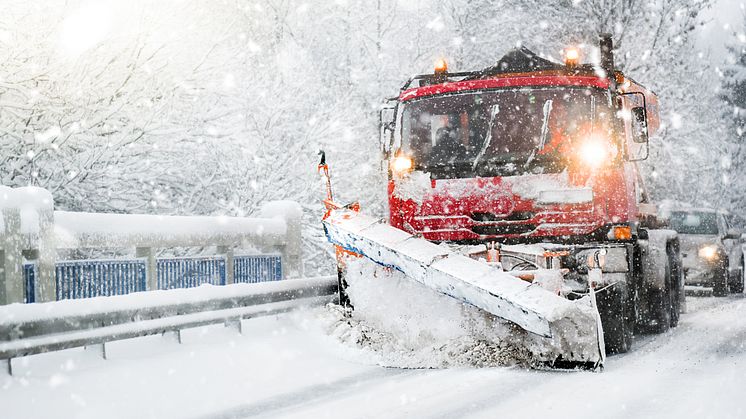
(594, 152)
(708, 252)
(402, 164)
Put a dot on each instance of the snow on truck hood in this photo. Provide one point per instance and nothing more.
(552, 188)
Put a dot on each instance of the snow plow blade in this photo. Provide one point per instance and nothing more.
(568, 332)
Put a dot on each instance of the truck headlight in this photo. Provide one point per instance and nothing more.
(709, 252)
(593, 152)
(402, 164)
(596, 151)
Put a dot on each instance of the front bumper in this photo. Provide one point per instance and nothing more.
(705, 275)
(700, 271)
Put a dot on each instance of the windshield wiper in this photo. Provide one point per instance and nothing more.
(494, 110)
(544, 133)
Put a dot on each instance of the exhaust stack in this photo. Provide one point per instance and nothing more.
(607, 53)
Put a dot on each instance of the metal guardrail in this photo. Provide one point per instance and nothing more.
(95, 278)
(98, 278)
(29, 282)
(41, 232)
(190, 272)
(257, 269)
(33, 329)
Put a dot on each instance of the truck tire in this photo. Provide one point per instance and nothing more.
(677, 278)
(662, 302)
(344, 299)
(736, 286)
(617, 318)
(720, 281)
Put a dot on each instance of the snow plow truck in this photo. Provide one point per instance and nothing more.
(516, 189)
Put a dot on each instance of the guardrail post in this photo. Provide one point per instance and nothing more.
(294, 245)
(46, 285)
(173, 335)
(235, 325)
(151, 271)
(99, 349)
(11, 264)
(228, 252)
(292, 213)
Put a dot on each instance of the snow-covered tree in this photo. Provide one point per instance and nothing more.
(192, 107)
(733, 95)
(654, 44)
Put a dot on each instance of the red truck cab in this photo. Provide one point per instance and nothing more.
(528, 150)
(542, 156)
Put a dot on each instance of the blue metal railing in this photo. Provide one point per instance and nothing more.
(257, 268)
(190, 272)
(94, 278)
(29, 280)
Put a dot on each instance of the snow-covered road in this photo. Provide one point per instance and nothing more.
(287, 367)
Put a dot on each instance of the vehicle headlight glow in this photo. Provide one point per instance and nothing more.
(594, 152)
(708, 252)
(402, 164)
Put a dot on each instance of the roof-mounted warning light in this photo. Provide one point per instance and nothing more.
(622, 82)
(441, 67)
(572, 57)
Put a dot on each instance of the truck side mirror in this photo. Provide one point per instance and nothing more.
(733, 233)
(639, 125)
(386, 126)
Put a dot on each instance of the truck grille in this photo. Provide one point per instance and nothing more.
(514, 216)
(504, 229)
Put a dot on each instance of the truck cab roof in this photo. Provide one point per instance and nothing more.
(521, 67)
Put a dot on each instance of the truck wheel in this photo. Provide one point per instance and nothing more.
(344, 299)
(720, 282)
(662, 303)
(617, 318)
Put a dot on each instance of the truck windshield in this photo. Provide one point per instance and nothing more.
(698, 222)
(502, 132)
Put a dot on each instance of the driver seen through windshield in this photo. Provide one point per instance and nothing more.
(503, 132)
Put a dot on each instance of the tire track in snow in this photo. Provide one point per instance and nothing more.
(318, 393)
(705, 338)
(493, 394)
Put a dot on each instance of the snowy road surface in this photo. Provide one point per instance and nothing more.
(287, 367)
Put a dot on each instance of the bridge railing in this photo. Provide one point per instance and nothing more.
(28, 329)
(32, 235)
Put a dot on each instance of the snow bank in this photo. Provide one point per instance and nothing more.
(401, 323)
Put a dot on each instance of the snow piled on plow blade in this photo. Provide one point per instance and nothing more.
(565, 330)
